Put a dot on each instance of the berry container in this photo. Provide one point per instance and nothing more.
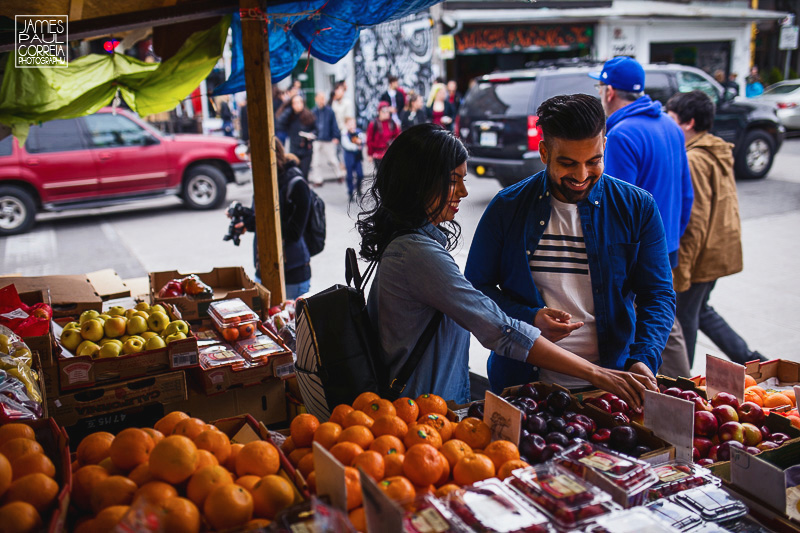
(678, 516)
(233, 319)
(678, 476)
(625, 478)
(712, 503)
(431, 514)
(630, 521)
(569, 501)
(492, 507)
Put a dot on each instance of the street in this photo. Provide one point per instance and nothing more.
(762, 303)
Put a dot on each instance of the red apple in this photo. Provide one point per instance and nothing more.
(725, 413)
(731, 431)
(752, 413)
(673, 391)
(724, 452)
(600, 404)
(609, 397)
(688, 395)
(601, 436)
(695, 455)
(701, 404)
(779, 438)
(752, 435)
(766, 434)
(622, 418)
(274, 310)
(767, 445)
(705, 462)
(705, 424)
(712, 453)
(752, 450)
(619, 405)
(702, 445)
(725, 398)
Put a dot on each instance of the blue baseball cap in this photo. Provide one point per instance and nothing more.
(623, 73)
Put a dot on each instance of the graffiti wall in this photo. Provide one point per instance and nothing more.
(402, 48)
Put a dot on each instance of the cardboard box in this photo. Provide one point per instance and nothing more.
(68, 409)
(787, 372)
(107, 284)
(226, 282)
(223, 378)
(55, 443)
(265, 402)
(69, 295)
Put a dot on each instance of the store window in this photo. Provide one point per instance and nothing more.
(55, 136)
(108, 131)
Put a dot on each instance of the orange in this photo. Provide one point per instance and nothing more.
(352, 483)
(271, 495)
(371, 462)
(749, 381)
(167, 424)
(474, 432)
(421, 490)
(306, 465)
(431, 403)
(795, 420)
(205, 458)
(155, 491)
(16, 448)
(440, 423)
(444, 477)
(378, 408)
(83, 482)
(296, 456)
(36, 489)
(248, 482)
(32, 463)
(256, 524)
(16, 430)
(422, 434)
(94, 448)
(386, 444)
(346, 452)
(230, 464)
(108, 465)
(389, 425)
(473, 468)
(108, 518)
(364, 399)
(154, 434)
(757, 390)
(302, 429)
(141, 474)
(287, 447)
(204, 481)
(776, 399)
(259, 458)
(500, 452)
(327, 434)
(113, 490)
(357, 418)
(130, 448)
(6, 474)
(19, 517)
(179, 515)
(510, 466)
(393, 465)
(444, 490)
(421, 465)
(454, 450)
(190, 428)
(407, 409)
(753, 396)
(360, 435)
(215, 442)
(339, 412)
(173, 459)
(359, 519)
(228, 506)
(311, 481)
(789, 393)
(398, 488)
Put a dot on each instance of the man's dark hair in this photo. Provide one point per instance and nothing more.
(391, 78)
(571, 116)
(693, 105)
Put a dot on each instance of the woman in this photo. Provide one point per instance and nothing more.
(300, 126)
(380, 133)
(415, 114)
(410, 228)
(440, 111)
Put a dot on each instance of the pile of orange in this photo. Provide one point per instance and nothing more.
(771, 399)
(27, 479)
(408, 447)
(187, 471)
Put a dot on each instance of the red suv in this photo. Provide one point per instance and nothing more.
(110, 158)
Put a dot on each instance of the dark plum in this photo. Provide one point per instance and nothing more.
(536, 424)
(554, 437)
(569, 415)
(601, 436)
(558, 402)
(622, 418)
(600, 404)
(532, 447)
(587, 423)
(574, 430)
(623, 439)
(550, 450)
(640, 450)
(476, 410)
(528, 391)
(724, 451)
(556, 424)
(528, 406)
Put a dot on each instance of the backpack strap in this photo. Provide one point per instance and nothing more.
(398, 384)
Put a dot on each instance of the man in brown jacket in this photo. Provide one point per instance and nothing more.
(711, 246)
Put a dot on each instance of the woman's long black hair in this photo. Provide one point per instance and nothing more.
(410, 187)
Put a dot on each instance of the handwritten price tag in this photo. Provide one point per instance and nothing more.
(758, 478)
(330, 477)
(671, 419)
(724, 376)
(504, 419)
(382, 514)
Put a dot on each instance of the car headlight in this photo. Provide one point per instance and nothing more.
(242, 152)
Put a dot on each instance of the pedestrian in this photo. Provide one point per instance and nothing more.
(646, 148)
(408, 227)
(576, 239)
(244, 126)
(341, 105)
(711, 247)
(380, 133)
(754, 86)
(732, 84)
(414, 113)
(226, 115)
(300, 126)
(353, 146)
(453, 96)
(439, 110)
(326, 146)
(394, 95)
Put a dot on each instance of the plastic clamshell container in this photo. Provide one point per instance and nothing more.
(677, 476)
(492, 507)
(674, 514)
(246, 329)
(569, 501)
(430, 514)
(631, 521)
(712, 503)
(233, 311)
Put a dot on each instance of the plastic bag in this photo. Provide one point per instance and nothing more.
(17, 368)
(12, 345)
(25, 320)
(15, 404)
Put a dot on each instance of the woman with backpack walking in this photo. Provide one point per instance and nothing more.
(300, 126)
(408, 228)
(380, 133)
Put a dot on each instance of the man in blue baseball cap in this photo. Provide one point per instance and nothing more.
(645, 148)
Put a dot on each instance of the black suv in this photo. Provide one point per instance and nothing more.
(498, 119)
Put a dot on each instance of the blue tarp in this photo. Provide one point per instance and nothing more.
(329, 33)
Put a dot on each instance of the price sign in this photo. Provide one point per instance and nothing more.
(382, 514)
(724, 376)
(758, 478)
(671, 419)
(330, 477)
(504, 419)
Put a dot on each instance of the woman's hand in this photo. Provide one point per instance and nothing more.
(627, 385)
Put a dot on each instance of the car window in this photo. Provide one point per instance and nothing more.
(658, 86)
(107, 130)
(567, 84)
(501, 98)
(689, 81)
(6, 145)
(55, 136)
(782, 89)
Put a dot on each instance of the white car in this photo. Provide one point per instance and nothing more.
(785, 95)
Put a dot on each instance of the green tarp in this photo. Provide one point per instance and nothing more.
(34, 95)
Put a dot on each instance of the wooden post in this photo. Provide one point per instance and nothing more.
(255, 43)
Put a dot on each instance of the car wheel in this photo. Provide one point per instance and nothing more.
(17, 210)
(204, 187)
(756, 155)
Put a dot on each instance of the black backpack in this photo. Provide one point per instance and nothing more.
(314, 233)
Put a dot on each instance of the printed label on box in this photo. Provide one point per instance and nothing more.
(284, 371)
(562, 487)
(603, 461)
(430, 521)
(216, 377)
(182, 359)
(77, 372)
(668, 473)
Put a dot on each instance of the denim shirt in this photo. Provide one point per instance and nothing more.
(416, 277)
(627, 254)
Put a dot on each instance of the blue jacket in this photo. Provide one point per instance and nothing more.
(627, 259)
(327, 127)
(646, 148)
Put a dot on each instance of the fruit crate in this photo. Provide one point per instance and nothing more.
(786, 372)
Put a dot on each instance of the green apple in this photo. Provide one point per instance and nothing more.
(115, 326)
(154, 343)
(134, 345)
(109, 349)
(136, 324)
(129, 313)
(88, 348)
(88, 315)
(137, 338)
(117, 310)
(73, 325)
(146, 335)
(158, 321)
(143, 314)
(142, 306)
(175, 336)
(104, 316)
(92, 330)
(157, 308)
(175, 326)
(103, 342)
(71, 338)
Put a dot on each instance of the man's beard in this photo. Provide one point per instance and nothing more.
(571, 196)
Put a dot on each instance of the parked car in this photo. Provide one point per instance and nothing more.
(497, 120)
(785, 95)
(110, 158)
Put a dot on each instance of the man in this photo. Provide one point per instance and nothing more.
(732, 84)
(395, 97)
(342, 107)
(575, 239)
(711, 247)
(326, 157)
(645, 148)
(453, 96)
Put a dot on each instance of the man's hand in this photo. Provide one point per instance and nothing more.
(240, 226)
(555, 324)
